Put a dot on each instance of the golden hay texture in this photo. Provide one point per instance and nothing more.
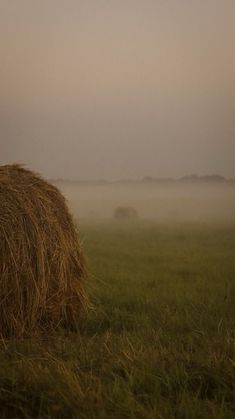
(42, 269)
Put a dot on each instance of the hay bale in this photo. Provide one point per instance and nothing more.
(42, 269)
(125, 213)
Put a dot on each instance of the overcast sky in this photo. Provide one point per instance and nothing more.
(118, 88)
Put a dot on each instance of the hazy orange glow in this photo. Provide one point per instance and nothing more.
(132, 76)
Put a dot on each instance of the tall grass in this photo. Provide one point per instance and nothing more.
(160, 343)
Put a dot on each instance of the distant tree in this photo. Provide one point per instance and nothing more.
(206, 178)
(190, 178)
(213, 178)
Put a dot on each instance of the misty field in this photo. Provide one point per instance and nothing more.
(160, 342)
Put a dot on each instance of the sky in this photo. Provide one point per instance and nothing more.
(105, 89)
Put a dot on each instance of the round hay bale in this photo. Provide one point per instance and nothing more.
(125, 214)
(42, 269)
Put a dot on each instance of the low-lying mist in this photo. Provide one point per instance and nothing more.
(163, 202)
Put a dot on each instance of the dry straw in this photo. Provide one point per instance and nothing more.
(42, 269)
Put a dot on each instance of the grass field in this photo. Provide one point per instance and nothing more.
(160, 342)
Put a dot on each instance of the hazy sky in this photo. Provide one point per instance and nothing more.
(118, 88)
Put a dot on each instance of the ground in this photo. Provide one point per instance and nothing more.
(159, 342)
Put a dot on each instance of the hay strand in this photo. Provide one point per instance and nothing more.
(42, 268)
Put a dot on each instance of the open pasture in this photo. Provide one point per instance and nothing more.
(160, 342)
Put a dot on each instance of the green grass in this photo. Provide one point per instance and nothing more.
(160, 342)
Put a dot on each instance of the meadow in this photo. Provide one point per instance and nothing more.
(159, 342)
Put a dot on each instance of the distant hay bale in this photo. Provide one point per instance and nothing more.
(42, 269)
(125, 213)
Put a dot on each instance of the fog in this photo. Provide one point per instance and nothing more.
(118, 89)
(168, 202)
